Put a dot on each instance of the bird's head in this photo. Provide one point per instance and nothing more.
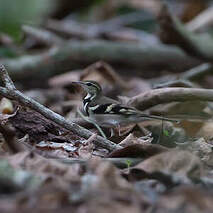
(91, 87)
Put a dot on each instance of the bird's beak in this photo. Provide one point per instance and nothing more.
(78, 82)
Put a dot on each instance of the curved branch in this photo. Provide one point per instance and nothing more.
(166, 95)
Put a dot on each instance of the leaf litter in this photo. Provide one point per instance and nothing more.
(161, 167)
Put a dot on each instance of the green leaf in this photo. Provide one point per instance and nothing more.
(166, 132)
(14, 13)
(129, 163)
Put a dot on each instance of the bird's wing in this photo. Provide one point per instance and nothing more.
(113, 108)
(119, 109)
(106, 100)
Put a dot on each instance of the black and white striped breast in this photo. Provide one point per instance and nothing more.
(87, 102)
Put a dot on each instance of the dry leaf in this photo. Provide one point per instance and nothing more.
(202, 149)
(206, 131)
(6, 106)
(39, 165)
(131, 139)
(138, 151)
(186, 199)
(180, 163)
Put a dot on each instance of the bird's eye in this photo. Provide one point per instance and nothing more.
(89, 84)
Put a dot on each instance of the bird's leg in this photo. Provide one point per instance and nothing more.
(119, 129)
(92, 122)
(112, 132)
(145, 137)
(124, 131)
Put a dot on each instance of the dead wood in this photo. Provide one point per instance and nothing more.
(39, 128)
(11, 92)
(174, 32)
(167, 95)
(74, 53)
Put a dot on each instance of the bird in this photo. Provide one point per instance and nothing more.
(107, 112)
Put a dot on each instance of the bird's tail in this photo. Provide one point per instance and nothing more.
(159, 118)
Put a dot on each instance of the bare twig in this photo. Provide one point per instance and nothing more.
(175, 83)
(42, 35)
(204, 19)
(134, 35)
(109, 30)
(183, 79)
(167, 95)
(197, 72)
(83, 30)
(6, 78)
(123, 20)
(73, 29)
(11, 92)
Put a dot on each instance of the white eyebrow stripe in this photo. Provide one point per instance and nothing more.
(96, 85)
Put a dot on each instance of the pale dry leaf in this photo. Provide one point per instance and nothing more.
(131, 139)
(186, 199)
(53, 145)
(180, 163)
(4, 117)
(108, 205)
(206, 131)
(42, 166)
(107, 190)
(6, 106)
(86, 151)
(108, 177)
(138, 151)
(202, 149)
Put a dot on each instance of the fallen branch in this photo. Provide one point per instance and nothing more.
(88, 31)
(175, 83)
(196, 73)
(174, 32)
(42, 35)
(168, 95)
(201, 21)
(11, 92)
(74, 54)
(183, 79)
(106, 31)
